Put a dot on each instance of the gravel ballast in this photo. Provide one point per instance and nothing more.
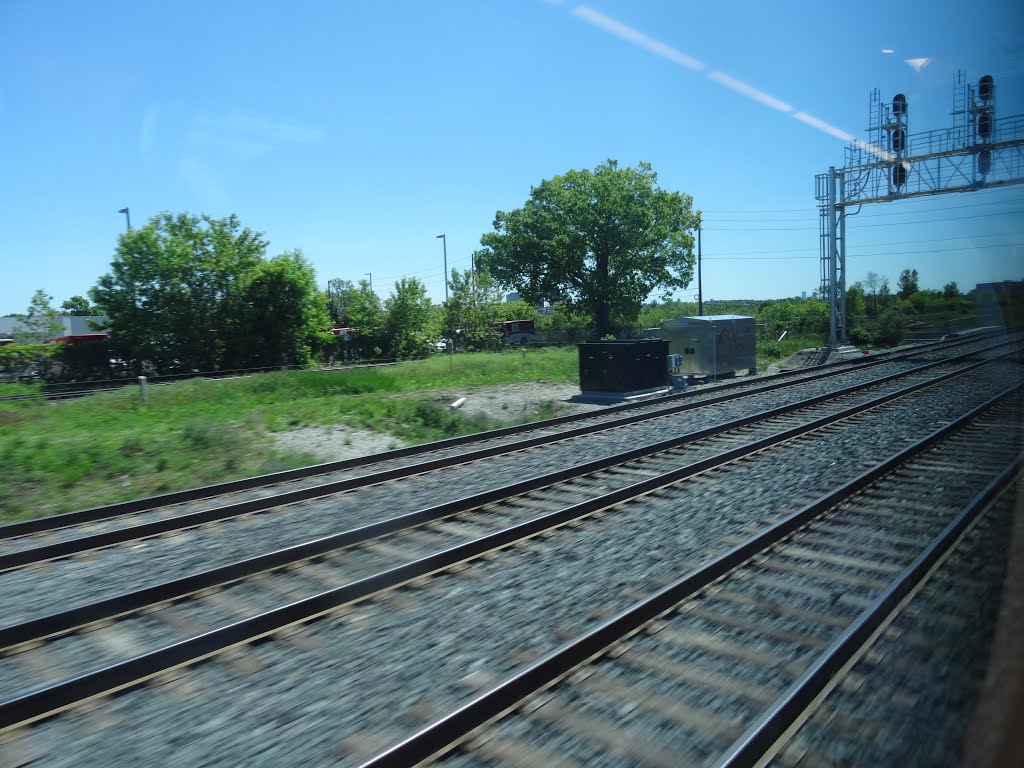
(114, 570)
(383, 659)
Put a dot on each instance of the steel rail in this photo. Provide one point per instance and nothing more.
(764, 734)
(447, 732)
(95, 514)
(34, 630)
(52, 699)
(80, 544)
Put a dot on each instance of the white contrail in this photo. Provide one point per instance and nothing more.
(636, 37)
(665, 51)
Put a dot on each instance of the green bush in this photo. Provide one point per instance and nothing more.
(859, 337)
(891, 330)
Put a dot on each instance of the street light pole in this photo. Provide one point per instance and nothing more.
(444, 242)
(370, 275)
(128, 219)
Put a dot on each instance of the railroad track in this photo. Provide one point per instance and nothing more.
(615, 471)
(719, 666)
(71, 533)
(496, 513)
(308, 482)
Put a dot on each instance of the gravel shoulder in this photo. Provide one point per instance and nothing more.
(502, 404)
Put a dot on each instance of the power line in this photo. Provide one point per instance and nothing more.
(881, 224)
(884, 213)
(868, 245)
(804, 210)
(865, 255)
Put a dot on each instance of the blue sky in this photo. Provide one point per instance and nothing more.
(357, 131)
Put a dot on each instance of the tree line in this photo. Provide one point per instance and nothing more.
(198, 293)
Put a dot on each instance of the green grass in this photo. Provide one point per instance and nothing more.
(60, 456)
(18, 388)
(769, 352)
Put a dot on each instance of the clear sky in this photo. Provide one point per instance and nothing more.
(357, 131)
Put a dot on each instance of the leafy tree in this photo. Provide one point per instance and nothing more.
(884, 294)
(516, 310)
(598, 241)
(856, 304)
(364, 309)
(342, 295)
(472, 306)
(950, 290)
(78, 305)
(798, 317)
(188, 291)
(408, 329)
(286, 320)
(891, 329)
(907, 283)
(872, 282)
(40, 322)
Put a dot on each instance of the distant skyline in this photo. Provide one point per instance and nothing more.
(358, 132)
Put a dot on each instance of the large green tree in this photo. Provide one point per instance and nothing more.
(286, 319)
(907, 283)
(78, 305)
(600, 241)
(472, 305)
(408, 328)
(190, 291)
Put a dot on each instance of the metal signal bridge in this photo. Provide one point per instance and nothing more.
(979, 151)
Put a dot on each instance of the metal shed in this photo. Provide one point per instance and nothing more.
(712, 345)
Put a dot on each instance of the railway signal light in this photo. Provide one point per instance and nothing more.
(899, 140)
(899, 105)
(986, 88)
(985, 124)
(984, 162)
(899, 175)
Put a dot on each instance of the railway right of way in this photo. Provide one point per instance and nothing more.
(432, 563)
(63, 535)
(138, 560)
(976, 381)
(305, 483)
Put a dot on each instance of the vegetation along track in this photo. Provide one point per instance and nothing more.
(127, 673)
(717, 667)
(66, 534)
(141, 562)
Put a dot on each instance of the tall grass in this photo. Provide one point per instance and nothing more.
(59, 456)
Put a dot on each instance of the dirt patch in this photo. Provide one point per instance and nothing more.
(335, 443)
(502, 404)
(512, 402)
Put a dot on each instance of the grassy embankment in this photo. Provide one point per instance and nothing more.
(60, 456)
(65, 455)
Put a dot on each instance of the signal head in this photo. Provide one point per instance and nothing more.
(899, 105)
(986, 88)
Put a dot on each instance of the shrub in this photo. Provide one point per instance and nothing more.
(859, 337)
(891, 329)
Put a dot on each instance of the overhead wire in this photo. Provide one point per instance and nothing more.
(863, 255)
(859, 226)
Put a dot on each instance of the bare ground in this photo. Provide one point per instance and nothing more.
(503, 404)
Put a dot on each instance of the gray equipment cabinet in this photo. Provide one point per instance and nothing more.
(712, 345)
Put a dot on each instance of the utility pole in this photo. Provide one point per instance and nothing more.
(370, 275)
(700, 292)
